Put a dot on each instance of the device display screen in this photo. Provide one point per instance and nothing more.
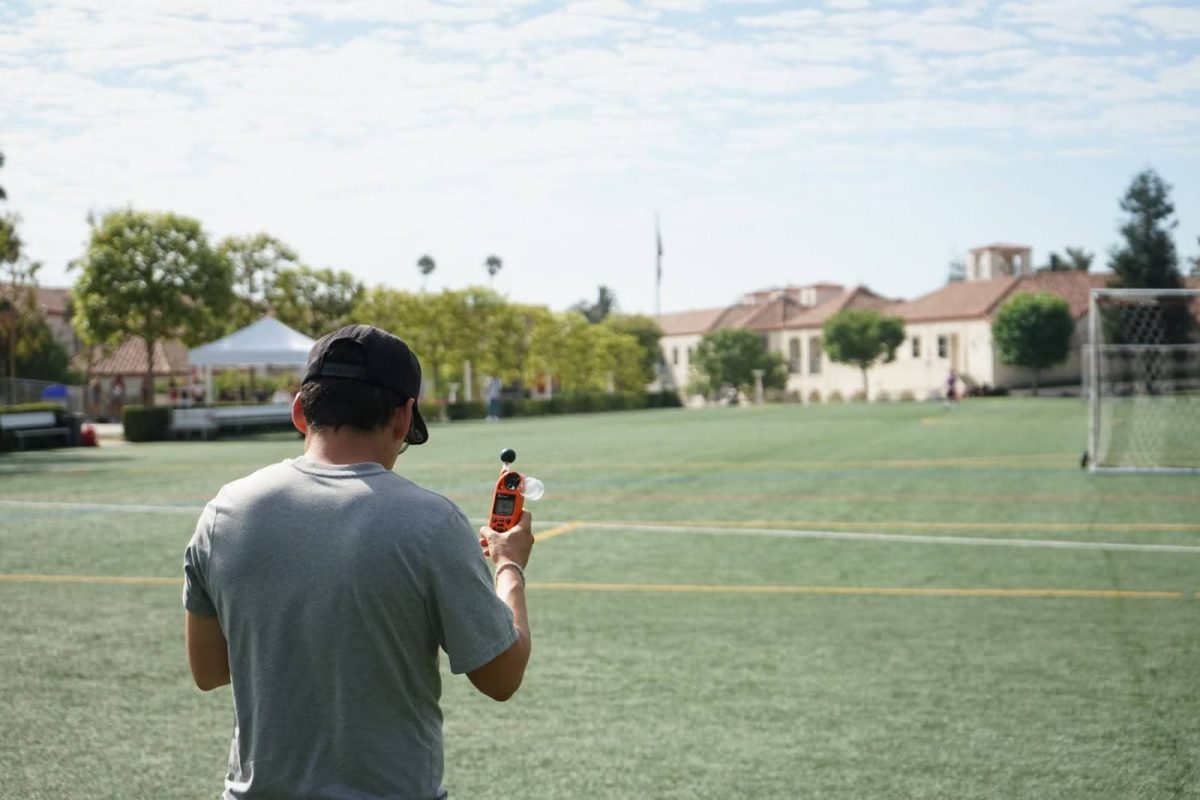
(504, 505)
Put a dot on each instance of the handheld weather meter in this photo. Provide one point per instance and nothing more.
(507, 500)
(512, 489)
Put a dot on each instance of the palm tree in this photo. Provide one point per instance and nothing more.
(426, 265)
(492, 264)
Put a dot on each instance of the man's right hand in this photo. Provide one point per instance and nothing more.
(513, 545)
(501, 677)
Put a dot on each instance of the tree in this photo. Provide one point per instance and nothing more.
(255, 262)
(1033, 331)
(956, 271)
(646, 332)
(23, 332)
(313, 301)
(606, 303)
(3, 196)
(862, 336)
(152, 275)
(425, 265)
(729, 357)
(1147, 258)
(1076, 259)
(1196, 265)
(492, 264)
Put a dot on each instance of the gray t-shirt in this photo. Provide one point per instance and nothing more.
(335, 586)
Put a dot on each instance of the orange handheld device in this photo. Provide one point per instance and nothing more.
(508, 500)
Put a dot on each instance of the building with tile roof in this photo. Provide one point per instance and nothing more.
(946, 329)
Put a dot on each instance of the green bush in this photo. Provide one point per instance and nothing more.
(146, 423)
(473, 410)
(663, 399)
(564, 403)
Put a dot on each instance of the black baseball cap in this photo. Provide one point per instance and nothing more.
(368, 354)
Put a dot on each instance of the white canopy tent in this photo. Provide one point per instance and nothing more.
(267, 342)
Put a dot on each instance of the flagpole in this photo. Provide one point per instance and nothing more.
(658, 253)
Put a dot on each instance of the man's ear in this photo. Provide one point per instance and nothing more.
(402, 420)
(298, 415)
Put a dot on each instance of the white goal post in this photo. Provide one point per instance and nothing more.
(1142, 380)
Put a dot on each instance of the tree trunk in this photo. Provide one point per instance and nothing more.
(148, 381)
(865, 387)
(1035, 381)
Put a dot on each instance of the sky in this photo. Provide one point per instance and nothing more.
(854, 141)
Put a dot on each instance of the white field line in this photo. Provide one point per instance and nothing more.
(779, 533)
(127, 508)
(899, 538)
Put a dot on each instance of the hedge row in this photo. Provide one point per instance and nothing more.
(146, 423)
(569, 403)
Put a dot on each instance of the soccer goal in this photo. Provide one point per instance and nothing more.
(1143, 380)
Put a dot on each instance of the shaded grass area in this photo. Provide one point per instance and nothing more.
(653, 694)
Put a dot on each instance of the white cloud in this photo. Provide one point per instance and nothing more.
(404, 118)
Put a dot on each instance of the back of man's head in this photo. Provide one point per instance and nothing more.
(357, 377)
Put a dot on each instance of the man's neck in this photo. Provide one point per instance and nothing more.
(347, 446)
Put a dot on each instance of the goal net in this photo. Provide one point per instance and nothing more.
(1144, 380)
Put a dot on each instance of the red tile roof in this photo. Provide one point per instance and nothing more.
(682, 322)
(50, 300)
(170, 358)
(1073, 286)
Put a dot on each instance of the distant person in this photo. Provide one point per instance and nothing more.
(491, 394)
(116, 398)
(951, 388)
(323, 587)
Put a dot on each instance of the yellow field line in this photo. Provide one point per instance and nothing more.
(124, 580)
(887, 591)
(912, 525)
(556, 531)
(876, 591)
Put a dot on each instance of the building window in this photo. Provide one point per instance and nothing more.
(814, 355)
(943, 346)
(674, 355)
(916, 347)
(794, 355)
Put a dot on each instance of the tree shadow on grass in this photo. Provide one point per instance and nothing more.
(32, 461)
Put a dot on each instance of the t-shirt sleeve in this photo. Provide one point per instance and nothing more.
(471, 623)
(196, 597)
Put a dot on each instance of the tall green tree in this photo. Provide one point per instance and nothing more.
(313, 301)
(862, 337)
(425, 265)
(647, 334)
(23, 332)
(1147, 258)
(256, 262)
(956, 270)
(729, 357)
(492, 264)
(152, 275)
(598, 311)
(1196, 265)
(1033, 331)
(1076, 258)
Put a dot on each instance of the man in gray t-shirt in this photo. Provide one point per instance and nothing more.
(323, 587)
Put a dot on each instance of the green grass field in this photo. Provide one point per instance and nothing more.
(886, 601)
